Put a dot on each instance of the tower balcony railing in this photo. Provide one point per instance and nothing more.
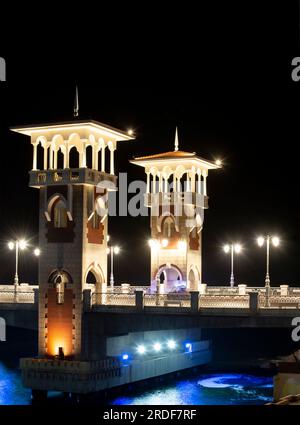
(171, 198)
(40, 178)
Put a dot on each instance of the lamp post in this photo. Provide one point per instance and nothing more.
(275, 242)
(17, 245)
(112, 250)
(232, 248)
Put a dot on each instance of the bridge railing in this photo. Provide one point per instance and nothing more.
(25, 295)
(115, 299)
(167, 300)
(224, 301)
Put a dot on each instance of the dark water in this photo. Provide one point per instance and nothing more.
(208, 389)
(204, 388)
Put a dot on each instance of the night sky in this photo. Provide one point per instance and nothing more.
(224, 81)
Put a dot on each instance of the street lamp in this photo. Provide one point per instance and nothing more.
(17, 245)
(232, 248)
(112, 250)
(274, 240)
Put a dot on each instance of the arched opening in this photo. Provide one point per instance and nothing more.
(91, 277)
(60, 159)
(40, 157)
(74, 158)
(168, 229)
(89, 157)
(60, 276)
(171, 276)
(60, 217)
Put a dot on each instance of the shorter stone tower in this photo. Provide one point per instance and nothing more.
(177, 196)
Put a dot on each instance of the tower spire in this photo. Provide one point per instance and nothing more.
(76, 103)
(176, 140)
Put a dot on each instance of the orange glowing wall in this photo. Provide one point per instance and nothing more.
(59, 323)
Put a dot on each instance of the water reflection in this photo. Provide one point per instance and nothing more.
(210, 389)
(216, 389)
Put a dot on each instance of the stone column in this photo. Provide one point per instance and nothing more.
(148, 182)
(160, 182)
(204, 173)
(103, 158)
(112, 163)
(83, 157)
(199, 182)
(154, 184)
(193, 181)
(174, 183)
(45, 156)
(34, 165)
(51, 157)
(194, 301)
(67, 156)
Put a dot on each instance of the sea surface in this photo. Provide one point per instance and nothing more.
(201, 389)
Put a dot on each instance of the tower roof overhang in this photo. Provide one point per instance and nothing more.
(90, 126)
(175, 158)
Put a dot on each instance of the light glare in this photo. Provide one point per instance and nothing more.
(237, 248)
(11, 245)
(141, 349)
(181, 245)
(275, 241)
(37, 252)
(164, 243)
(157, 346)
(116, 250)
(171, 344)
(22, 244)
(260, 241)
(226, 248)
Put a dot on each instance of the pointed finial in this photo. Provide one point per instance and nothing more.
(176, 140)
(76, 103)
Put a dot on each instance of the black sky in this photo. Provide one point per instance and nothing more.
(224, 79)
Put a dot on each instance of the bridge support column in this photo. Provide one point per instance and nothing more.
(139, 300)
(36, 296)
(253, 302)
(194, 301)
(86, 299)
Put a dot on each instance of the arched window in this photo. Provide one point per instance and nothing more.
(169, 227)
(60, 215)
(60, 291)
(91, 278)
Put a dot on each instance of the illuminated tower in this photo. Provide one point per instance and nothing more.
(73, 168)
(177, 196)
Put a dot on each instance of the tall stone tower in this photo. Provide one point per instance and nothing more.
(177, 196)
(71, 172)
